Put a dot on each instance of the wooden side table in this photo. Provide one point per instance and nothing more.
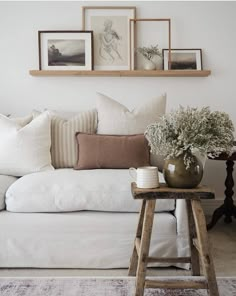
(227, 209)
(199, 246)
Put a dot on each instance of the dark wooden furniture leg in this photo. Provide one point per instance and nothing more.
(228, 209)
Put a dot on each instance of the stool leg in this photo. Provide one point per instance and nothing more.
(134, 258)
(144, 247)
(204, 247)
(195, 266)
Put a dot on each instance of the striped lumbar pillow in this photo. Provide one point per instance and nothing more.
(64, 146)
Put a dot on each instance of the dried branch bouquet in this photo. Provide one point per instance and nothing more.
(187, 130)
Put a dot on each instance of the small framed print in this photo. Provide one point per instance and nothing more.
(110, 26)
(65, 50)
(182, 59)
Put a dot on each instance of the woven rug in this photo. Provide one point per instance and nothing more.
(82, 286)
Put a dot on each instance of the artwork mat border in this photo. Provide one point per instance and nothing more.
(131, 35)
(166, 54)
(42, 49)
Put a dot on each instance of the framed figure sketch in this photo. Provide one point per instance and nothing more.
(110, 26)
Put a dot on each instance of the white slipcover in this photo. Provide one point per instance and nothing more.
(83, 239)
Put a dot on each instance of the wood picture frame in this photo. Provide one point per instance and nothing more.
(65, 50)
(110, 24)
(136, 20)
(183, 59)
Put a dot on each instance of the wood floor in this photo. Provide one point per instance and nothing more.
(223, 241)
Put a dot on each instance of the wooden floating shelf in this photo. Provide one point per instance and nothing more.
(124, 73)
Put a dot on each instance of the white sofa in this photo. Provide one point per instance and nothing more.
(71, 238)
(66, 218)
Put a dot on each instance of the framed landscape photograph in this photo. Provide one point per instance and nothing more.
(110, 26)
(65, 50)
(183, 59)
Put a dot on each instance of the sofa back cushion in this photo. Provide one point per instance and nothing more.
(115, 119)
(111, 152)
(68, 190)
(64, 146)
(25, 149)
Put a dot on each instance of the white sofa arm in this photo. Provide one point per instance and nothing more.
(181, 217)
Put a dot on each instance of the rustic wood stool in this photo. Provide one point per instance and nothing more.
(199, 246)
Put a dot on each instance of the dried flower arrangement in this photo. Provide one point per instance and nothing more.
(149, 52)
(187, 130)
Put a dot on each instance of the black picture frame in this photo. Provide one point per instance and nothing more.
(65, 50)
(183, 59)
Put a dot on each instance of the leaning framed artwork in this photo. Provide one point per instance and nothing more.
(65, 50)
(183, 59)
(132, 26)
(110, 26)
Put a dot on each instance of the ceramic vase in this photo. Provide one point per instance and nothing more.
(177, 175)
(149, 65)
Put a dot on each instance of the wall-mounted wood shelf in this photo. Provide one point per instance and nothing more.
(125, 73)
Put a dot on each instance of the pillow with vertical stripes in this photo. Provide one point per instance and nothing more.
(63, 130)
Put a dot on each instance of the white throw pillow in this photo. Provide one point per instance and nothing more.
(64, 144)
(115, 119)
(66, 190)
(23, 120)
(26, 149)
(5, 183)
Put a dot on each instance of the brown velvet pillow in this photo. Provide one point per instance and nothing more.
(111, 152)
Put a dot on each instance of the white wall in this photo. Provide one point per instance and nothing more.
(207, 25)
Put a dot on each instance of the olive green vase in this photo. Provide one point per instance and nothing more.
(177, 176)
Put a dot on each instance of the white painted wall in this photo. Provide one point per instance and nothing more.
(207, 25)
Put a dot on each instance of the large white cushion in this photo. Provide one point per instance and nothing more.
(115, 119)
(70, 190)
(5, 183)
(26, 149)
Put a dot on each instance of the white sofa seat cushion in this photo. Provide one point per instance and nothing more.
(65, 190)
(5, 183)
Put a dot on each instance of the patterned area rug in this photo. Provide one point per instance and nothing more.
(82, 286)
